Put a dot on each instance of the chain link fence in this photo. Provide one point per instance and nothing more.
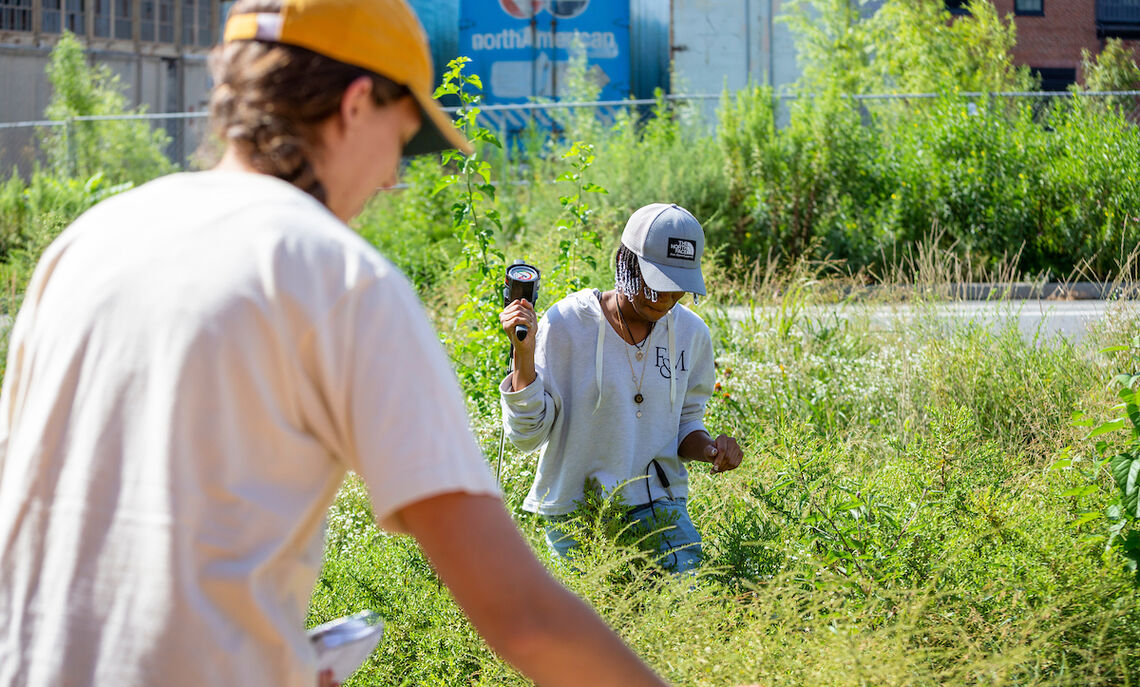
(22, 143)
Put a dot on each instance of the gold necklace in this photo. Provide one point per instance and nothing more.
(639, 346)
(637, 397)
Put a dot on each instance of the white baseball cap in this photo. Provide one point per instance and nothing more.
(668, 242)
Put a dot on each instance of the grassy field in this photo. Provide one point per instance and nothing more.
(928, 504)
(917, 507)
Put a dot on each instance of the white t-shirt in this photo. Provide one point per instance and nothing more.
(581, 410)
(196, 364)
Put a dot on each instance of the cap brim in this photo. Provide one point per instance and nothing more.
(665, 278)
(437, 131)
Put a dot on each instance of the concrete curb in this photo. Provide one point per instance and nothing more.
(994, 291)
(1049, 291)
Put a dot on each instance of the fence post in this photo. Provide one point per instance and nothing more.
(69, 139)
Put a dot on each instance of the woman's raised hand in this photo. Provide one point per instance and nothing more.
(518, 312)
(521, 312)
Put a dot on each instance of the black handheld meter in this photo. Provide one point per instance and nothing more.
(521, 282)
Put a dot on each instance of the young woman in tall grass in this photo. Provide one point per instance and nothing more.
(616, 402)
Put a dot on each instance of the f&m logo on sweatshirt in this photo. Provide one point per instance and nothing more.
(663, 365)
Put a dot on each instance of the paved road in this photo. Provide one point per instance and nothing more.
(1070, 319)
(1048, 318)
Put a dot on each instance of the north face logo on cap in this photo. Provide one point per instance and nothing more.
(683, 249)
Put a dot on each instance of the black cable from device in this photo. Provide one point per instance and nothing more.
(503, 423)
(652, 509)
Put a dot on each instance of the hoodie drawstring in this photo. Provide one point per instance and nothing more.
(672, 360)
(598, 360)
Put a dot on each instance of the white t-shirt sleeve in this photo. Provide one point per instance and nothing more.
(398, 416)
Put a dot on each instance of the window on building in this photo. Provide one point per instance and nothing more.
(15, 15)
(1055, 78)
(1118, 18)
(123, 19)
(187, 21)
(1030, 7)
(166, 21)
(102, 18)
(196, 23)
(50, 16)
(957, 6)
(73, 17)
(146, 20)
(204, 37)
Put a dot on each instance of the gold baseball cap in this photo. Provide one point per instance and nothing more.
(382, 36)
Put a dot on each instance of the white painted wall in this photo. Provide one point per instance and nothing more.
(721, 44)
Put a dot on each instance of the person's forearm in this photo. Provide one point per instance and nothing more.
(693, 446)
(553, 654)
(525, 615)
(524, 373)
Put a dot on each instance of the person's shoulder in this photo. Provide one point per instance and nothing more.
(293, 224)
(220, 198)
(580, 306)
(687, 320)
(288, 230)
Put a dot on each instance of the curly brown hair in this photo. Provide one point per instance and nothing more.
(269, 97)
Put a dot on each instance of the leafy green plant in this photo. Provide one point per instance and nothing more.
(832, 42)
(848, 527)
(578, 242)
(932, 54)
(1112, 69)
(743, 547)
(34, 213)
(415, 230)
(120, 150)
(476, 222)
(1121, 514)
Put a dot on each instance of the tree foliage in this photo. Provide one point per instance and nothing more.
(1114, 69)
(120, 150)
(833, 46)
(906, 46)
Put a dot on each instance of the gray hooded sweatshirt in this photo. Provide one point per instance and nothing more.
(581, 411)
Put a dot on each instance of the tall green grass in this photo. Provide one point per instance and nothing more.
(914, 504)
(895, 521)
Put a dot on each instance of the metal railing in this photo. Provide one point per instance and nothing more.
(21, 149)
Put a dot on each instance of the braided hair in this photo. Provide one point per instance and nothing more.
(627, 276)
(269, 98)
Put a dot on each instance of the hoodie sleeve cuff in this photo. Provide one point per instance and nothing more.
(527, 400)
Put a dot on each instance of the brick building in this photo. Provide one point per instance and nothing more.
(1052, 33)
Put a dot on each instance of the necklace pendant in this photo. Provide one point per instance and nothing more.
(638, 398)
(639, 355)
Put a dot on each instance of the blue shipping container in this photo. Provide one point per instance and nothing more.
(521, 49)
(440, 19)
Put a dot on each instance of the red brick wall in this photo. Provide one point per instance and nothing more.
(1056, 39)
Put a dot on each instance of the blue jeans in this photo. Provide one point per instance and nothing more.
(677, 541)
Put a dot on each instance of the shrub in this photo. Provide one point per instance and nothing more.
(120, 150)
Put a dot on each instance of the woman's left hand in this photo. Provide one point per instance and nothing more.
(724, 453)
